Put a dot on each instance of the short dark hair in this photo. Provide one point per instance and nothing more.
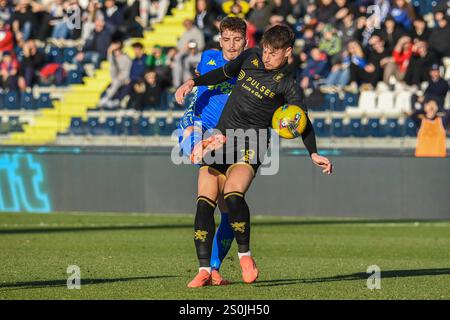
(278, 37)
(233, 24)
(138, 45)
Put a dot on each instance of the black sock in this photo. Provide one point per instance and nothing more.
(204, 230)
(239, 218)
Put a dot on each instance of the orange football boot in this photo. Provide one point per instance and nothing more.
(249, 271)
(217, 279)
(203, 278)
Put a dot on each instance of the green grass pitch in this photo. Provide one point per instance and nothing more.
(136, 256)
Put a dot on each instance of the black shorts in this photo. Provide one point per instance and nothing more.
(250, 153)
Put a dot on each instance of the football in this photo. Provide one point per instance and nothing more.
(289, 121)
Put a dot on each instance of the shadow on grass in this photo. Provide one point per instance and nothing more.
(189, 226)
(356, 276)
(63, 283)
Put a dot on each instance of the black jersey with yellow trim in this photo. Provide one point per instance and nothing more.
(257, 94)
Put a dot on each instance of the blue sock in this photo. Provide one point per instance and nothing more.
(222, 242)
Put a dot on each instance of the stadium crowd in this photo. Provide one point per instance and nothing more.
(342, 45)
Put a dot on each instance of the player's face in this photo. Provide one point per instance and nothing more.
(232, 44)
(275, 58)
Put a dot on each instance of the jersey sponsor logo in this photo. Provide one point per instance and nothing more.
(256, 88)
(241, 75)
(211, 62)
(200, 235)
(255, 62)
(278, 77)
(238, 227)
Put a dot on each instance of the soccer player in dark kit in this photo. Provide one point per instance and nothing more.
(264, 83)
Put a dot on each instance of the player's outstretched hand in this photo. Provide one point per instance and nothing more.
(322, 162)
(183, 91)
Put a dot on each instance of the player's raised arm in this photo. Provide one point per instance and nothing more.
(293, 96)
(228, 71)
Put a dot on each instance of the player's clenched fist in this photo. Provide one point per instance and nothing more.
(183, 91)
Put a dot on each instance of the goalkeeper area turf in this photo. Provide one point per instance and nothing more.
(138, 256)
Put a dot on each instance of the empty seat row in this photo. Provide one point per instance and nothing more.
(386, 102)
(361, 129)
(164, 127)
(127, 126)
(61, 55)
(54, 54)
(333, 102)
(13, 124)
(24, 100)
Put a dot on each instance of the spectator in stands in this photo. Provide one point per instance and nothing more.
(6, 12)
(6, 38)
(191, 61)
(363, 31)
(96, 46)
(9, 68)
(161, 62)
(310, 16)
(52, 73)
(330, 43)
(260, 13)
(88, 18)
(431, 138)
(295, 11)
(157, 58)
(120, 66)
(403, 13)
(421, 31)
(236, 8)
(346, 27)
(379, 57)
(25, 21)
(283, 8)
(326, 10)
(420, 63)
(362, 71)
(437, 87)
(440, 34)
(59, 18)
(391, 33)
(113, 15)
(146, 94)
(204, 20)
(138, 65)
(317, 67)
(401, 56)
(192, 33)
(170, 57)
(158, 10)
(379, 12)
(131, 25)
(339, 75)
(310, 41)
(33, 61)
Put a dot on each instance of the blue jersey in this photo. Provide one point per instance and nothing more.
(208, 101)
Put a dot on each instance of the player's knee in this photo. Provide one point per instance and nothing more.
(235, 186)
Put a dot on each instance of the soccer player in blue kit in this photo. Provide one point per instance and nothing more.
(203, 114)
